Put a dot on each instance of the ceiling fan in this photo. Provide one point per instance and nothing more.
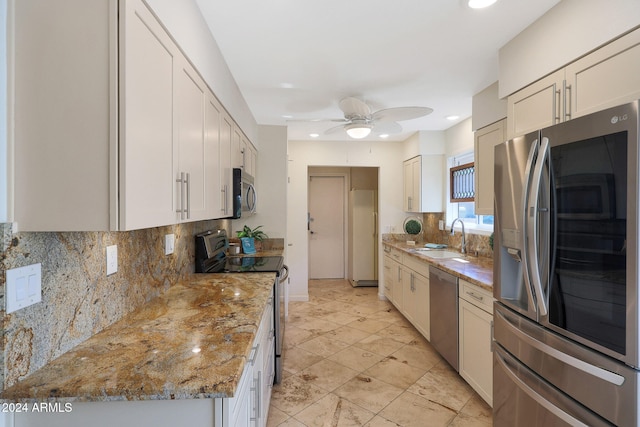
(359, 121)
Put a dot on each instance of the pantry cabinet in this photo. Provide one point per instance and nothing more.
(485, 140)
(475, 322)
(121, 132)
(423, 183)
(604, 78)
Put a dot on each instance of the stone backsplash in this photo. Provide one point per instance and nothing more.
(78, 298)
(477, 244)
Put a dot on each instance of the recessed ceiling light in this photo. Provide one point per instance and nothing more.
(314, 135)
(287, 116)
(452, 117)
(286, 85)
(384, 135)
(479, 4)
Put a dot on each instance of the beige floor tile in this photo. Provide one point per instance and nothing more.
(368, 392)
(391, 390)
(379, 345)
(327, 374)
(444, 386)
(410, 410)
(417, 355)
(334, 411)
(294, 394)
(356, 358)
(368, 325)
(323, 345)
(296, 359)
(348, 334)
(395, 373)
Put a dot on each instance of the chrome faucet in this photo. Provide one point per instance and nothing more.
(463, 246)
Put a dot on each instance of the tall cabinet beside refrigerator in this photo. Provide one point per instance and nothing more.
(566, 274)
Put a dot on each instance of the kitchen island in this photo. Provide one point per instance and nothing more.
(192, 342)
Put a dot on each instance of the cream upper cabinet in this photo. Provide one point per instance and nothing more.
(149, 63)
(604, 78)
(607, 77)
(485, 140)
(214, 188)
(536, 106)
(423, 184)
(226, 164)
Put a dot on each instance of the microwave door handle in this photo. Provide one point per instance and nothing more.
(251, 193)
(533, 243)
(525, 201)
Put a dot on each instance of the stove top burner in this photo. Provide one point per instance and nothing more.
(211, 257)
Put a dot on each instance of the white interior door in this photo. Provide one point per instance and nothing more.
(326, 227)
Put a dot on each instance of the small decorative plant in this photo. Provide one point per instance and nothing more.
(256, 233)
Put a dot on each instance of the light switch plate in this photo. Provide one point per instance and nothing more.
(169, 243)
(24, 287)
(112, 259)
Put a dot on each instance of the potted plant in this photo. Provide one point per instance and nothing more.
(251, 238)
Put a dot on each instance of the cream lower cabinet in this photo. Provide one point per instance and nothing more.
(604, 78)
(406, 285)
(392, 276)
(475, 320)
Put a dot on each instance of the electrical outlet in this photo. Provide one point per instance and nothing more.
(441, 225)
(112, 259)
(24, 287)
(169, 243)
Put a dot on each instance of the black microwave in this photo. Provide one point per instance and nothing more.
(245, 197)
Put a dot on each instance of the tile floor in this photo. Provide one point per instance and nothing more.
(353, 360)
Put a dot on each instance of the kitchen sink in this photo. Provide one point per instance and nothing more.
(437, 253)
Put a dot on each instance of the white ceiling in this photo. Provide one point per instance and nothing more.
(298, 58)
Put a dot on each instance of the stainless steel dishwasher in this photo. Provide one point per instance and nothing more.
(443, 314)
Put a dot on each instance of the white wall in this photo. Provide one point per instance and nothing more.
(567, 31)
(185, 23)
(4, 173)
(388, 156)
(271, 184)
(458, 139)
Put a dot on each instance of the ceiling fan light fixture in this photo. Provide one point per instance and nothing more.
(479, 4)
(358, 131)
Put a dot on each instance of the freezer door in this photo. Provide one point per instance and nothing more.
(513, 168)
(521, 398)
(606, 386)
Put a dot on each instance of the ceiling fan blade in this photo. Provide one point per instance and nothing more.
(353, 106)
(386, 127)
(334, 129)
(400, 113)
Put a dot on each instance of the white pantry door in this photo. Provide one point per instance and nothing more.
(326, 227)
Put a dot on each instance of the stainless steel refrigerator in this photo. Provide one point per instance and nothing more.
(566, 274)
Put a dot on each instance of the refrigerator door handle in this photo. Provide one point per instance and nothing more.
(531, 237)
(588, 368)
(533, 152)
(537, 397)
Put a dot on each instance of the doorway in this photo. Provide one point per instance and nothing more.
(342, 228)
(326, 222)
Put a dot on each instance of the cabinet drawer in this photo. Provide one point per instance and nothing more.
(393, 253)
(476, 296)
(420, 267)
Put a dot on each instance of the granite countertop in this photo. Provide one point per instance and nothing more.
(190, 342)
(479, 270)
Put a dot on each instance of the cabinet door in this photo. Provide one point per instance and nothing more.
(226, 164)
(408, 202)
(485, 141)
(429, 183)
(214, 190)
(476, 363)
(536, 106)
(408, 294)
(421, 306)
(147, 180)
(191, 99)
(606, 77)
(236, 147)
